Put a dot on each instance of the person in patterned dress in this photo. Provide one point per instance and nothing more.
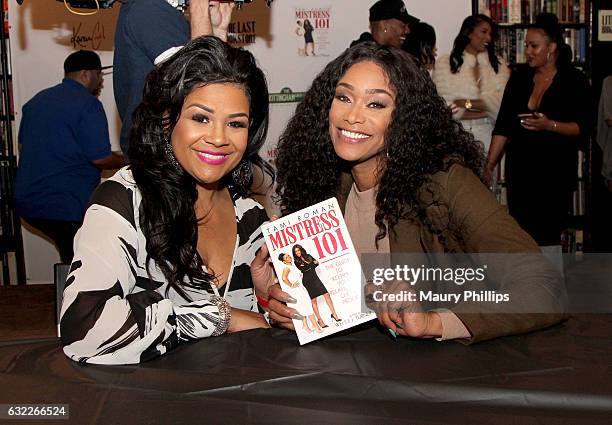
(168, 250)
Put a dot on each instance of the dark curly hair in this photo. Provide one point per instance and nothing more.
(167, 215)
(422, 139)
(463, 39)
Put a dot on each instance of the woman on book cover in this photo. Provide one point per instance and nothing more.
(545, 114)
(307, 264)
(472, 78)
(168, 251)
(308, 39)
(373, 132)
(299, 32)
(293, 279)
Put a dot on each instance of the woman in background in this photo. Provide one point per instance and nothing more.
(543, 116)
(472, 78)
(420, 42)
(167, 251)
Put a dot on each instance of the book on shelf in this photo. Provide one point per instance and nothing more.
(525, 11)
(572, 241)
(511, 44)
(316, 263)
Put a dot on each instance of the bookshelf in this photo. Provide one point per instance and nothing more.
(12, 265)
(514, 18)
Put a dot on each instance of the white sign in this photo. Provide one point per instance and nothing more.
(605, 25)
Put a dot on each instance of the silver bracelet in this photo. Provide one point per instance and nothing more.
(554, 125)
(225, 314)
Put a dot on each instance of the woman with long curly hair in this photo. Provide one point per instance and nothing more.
(472, 78)
(373, 132)
(167, 251)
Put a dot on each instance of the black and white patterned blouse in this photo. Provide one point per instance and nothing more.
(112, 313)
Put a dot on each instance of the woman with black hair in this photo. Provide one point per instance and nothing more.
(420, 42)
(472, 78)
(167, 251)
(308, 39)
(307, 264)
(373, 132)
(543, 116)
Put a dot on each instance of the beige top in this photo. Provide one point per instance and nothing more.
(359, 217)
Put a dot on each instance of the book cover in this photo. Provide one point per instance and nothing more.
(514, 11)
(316, 263)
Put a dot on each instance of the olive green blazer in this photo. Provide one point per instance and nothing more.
(467, 217)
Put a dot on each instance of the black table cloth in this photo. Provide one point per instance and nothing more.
(561, 375)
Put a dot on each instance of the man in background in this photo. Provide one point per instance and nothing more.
(64, 143)
(389, 23)
(149, 31)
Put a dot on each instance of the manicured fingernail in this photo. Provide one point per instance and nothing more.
(290, 300)
(392, 333)
(297, 316)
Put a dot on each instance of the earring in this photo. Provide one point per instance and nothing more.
(170, 155)
(548, 56)
(242, 175)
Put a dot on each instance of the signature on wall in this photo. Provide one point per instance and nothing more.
(81, 38)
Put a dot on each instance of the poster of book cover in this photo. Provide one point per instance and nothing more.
(312, 31)
(316, 264)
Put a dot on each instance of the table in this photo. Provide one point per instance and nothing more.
(555, 376)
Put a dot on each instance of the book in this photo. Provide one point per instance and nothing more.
(316, 263)
(514, 12)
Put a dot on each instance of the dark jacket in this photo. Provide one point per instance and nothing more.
(365, 36)
(470, 220)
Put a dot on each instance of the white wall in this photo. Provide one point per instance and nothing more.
(42, 35)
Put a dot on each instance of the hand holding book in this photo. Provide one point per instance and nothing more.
(262, 273)
(313, 248)
(403, 317)
(281, 314)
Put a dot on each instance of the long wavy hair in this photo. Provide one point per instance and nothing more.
(422, 139)
(463, 39)
(167, 215)
(420, 43)
(301, 260)
(549, 24)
